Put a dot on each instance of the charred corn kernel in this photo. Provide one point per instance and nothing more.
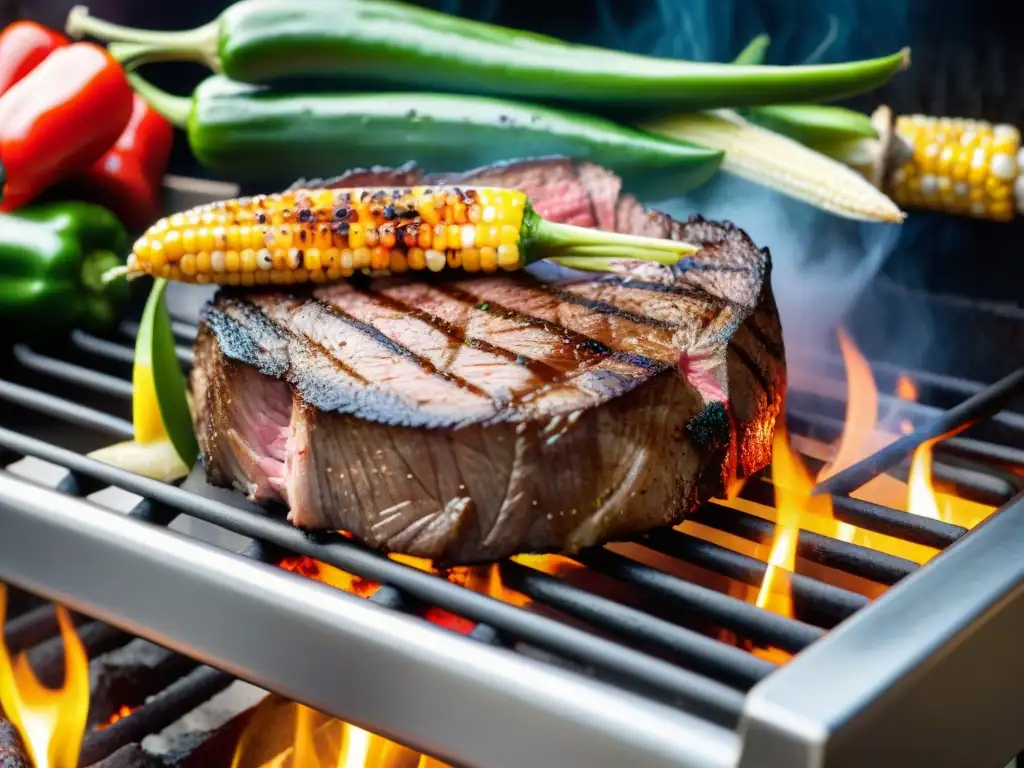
(356, 236)
(435, 260)
(398, 262)
(508, 257)
(488, 259)
(425, 237)
(319, 235)
(976, 165)
(416, 259)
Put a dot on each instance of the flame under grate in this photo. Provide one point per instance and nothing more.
(674, 639)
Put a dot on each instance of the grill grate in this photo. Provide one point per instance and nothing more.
(661, 653)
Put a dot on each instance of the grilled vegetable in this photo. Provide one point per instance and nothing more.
(164, 445)
(262, 40)
(782, 164)
(814, 125)
(60, 118)
(127, 178)
(968, 167)
(326, 234)
(52, 260)
(249, 132)
(23, 46)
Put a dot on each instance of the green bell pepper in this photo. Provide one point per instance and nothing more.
(52, 261)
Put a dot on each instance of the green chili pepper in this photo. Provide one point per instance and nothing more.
(52, 261)
(254, 133)
(257, 41)
(814, 125)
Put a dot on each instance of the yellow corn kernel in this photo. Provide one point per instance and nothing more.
(172, 245)
(312, 259)
(187, 264)
(454, 258)
(361, 258)
(356, 236)
(508, 235)
(249, 278)
(203, 263)
(233, 238)
(399, 262)
(440, 237)
(488, 259)
(416, 259)
(204, 239)
(379, 258)
(471, 260)
(508, 257)
(156, 253)
(317, 276)
(231, 261)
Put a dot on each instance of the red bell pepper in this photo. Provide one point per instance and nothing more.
(127, 179)
(23, 46)
(60, 118)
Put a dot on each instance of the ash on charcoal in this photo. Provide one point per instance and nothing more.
(12, 753)
(129, 756)
(183, 736)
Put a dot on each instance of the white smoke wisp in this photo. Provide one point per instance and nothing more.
(820, 263)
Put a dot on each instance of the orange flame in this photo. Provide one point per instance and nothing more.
(921, 496)
(51, 722)
(861, 410)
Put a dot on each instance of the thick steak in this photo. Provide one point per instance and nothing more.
(468, 419)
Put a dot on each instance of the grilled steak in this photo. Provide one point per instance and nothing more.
(467, 419)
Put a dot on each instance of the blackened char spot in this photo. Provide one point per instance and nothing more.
(605, 308)
(711, 429)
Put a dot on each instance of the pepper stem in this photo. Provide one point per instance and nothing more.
(95, 265)
(199, 44)
(175, 109)
(549, 240)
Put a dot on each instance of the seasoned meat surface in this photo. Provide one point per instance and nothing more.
(464, 419)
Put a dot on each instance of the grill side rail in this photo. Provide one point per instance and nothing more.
(928, 674)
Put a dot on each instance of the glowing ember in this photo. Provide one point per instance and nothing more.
(326, 574)
(906, 389)
(51, 722)
(121, 714)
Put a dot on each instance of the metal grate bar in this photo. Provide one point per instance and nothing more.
(34, 627)
(825, 600)
(871, 517)
(162, 710)
(720, 703)
(986, 403)
(65, 410)
(717, 660)
(841, 555)
(696, 601)
(78, 375)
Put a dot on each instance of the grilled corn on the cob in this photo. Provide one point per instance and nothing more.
(777, 162)
(319, 235)
(968, 167)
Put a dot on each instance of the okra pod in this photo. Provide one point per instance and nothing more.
(247, 132)
(259, 41)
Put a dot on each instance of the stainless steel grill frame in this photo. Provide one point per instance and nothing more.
(898, 681)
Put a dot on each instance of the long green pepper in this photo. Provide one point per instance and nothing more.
(52, 261)
(247, 132)
(258, 41)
